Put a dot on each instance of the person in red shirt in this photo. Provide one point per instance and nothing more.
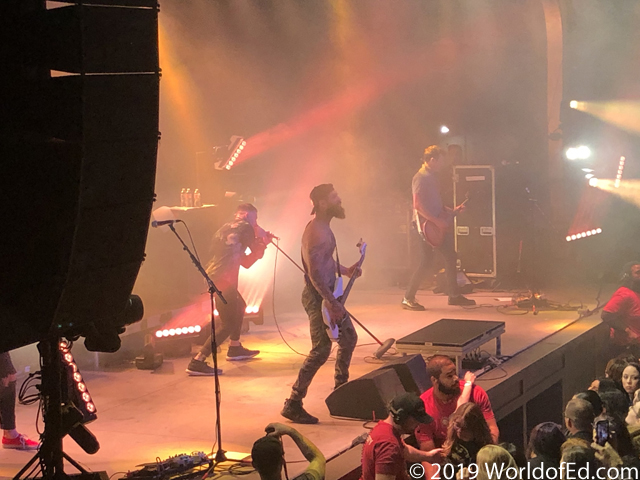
(385, 455)
(441, 400)
(622, 311)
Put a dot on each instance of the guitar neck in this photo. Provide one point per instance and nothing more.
(352, 280)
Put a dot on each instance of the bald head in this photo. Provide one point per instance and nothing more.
(579, 415)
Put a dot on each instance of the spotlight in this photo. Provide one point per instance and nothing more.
(593, 182)
(587, 170)
(444, 129)
(588, 176)
(620, 170)
(573, 104)
(584, 152)
(581, 152)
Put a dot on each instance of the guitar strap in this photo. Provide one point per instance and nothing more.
(338, 262)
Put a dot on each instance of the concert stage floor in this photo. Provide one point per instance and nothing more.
(146, 415)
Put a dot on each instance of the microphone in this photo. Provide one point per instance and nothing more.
(156, 224)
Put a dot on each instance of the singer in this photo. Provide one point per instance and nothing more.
(229, 245)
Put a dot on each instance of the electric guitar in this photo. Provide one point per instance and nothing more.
(431, 232)
(341, 294)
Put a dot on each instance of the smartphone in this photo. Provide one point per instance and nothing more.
(602, 432)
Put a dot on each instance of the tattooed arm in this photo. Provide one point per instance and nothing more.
(317, 252)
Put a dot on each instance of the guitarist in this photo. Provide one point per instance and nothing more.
(427, 202)
(318, 248)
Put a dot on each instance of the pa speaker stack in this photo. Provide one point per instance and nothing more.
(367, 397)
(78, 142)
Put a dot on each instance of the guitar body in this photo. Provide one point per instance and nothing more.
(333, 331)
(341, 294)
(433, 234)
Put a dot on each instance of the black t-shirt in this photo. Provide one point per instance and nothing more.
(462, 453)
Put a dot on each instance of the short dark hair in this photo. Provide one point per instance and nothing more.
(580, 412)
(432, 151)
(246, 207)
(545, 440)
(266, 455)
(616, 403)
(593, 398)
(437, 363)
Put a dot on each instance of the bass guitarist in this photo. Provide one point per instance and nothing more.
(318, 249)
(433, 217)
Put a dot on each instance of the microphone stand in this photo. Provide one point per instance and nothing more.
(220, 453)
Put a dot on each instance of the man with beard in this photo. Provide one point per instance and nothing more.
(441, 400)
(622, 311)
(229, 247)
(318, 246)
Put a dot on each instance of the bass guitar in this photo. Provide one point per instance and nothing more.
(341, 294)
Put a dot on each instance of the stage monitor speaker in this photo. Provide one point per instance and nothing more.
(412, 371)
(367, 397)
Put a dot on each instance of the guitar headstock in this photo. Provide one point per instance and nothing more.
(362, 247)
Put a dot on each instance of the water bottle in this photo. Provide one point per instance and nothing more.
(197, 202)
(183, 197)
(189, 198)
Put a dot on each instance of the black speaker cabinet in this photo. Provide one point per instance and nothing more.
(366, 397)
(412, 371)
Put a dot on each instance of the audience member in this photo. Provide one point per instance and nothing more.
(614, 369)
(385, 454)
(615, 404)
(440, 402)
(631, 380)
(622, 311)
(579, 454)
(593, 398)
(603, 384)
(467, 433)
(578, 419)
(492, 459)
(545, 442)
(10, 438)
(267, 454)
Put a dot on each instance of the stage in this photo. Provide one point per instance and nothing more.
(145, 415)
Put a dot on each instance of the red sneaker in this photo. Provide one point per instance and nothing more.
(21, 442)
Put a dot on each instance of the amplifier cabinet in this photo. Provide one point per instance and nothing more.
(475, 228)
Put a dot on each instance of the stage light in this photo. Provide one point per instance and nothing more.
(248, 310)
(584, 152)
(444, 129)
(593, 182)
(256, 309)
(229, 155)
(587, 170)
(620, 170)
(588, 176)
(585, 234)
(581, 152)
(573, 104)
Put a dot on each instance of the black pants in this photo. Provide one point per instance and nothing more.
(321, 346)
(231, 316)
(426, 264)
(7, 394)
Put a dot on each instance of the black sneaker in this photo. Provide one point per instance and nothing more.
(238, 352)
(197, 368)
(293, 411)
(461, 301)
(412, 305)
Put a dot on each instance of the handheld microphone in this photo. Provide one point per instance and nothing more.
(156, 224)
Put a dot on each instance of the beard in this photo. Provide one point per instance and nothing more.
(336, 211)
(455, 390)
